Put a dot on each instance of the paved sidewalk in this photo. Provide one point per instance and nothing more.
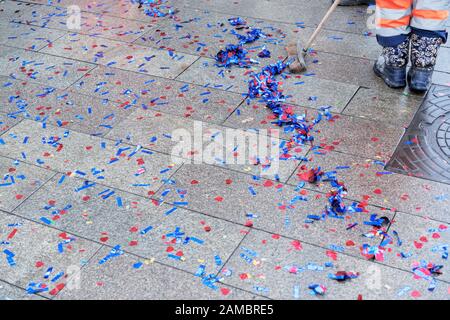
(93, 205)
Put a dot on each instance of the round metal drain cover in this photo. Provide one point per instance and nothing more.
(424, 150)
(443, 137)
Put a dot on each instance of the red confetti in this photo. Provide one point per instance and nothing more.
(12, 234)
(436, 235)
(57, 289)
(418, 245)
(243, 276)
(332, 254)
(225, 291)
(297, 245)
(268, 183)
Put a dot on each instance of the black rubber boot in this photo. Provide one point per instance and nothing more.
(391, 65)
(424, 52)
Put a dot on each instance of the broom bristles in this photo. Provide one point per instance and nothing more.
(298, 64)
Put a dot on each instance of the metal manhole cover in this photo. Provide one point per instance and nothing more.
(424, 150)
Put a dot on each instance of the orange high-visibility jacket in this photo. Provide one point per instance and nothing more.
(395, 17)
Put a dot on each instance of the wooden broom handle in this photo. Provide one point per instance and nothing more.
(321, 24)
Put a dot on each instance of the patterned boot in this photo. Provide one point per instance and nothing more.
(391, 65)
(424, 52)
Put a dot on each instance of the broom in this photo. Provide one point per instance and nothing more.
(298, 52)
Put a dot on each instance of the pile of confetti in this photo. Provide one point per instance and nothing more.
(236, 54)
(155, 8)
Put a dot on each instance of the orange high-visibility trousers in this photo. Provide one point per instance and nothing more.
(399, 17)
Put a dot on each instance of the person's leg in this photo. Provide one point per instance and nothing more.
(393, 19)
(428, 22)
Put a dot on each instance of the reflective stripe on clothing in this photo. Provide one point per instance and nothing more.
(394, 4)
(396, 17)
(430, 14)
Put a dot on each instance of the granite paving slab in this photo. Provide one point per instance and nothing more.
(120, 279)
(122, 9)
(50, 70)
(349, 19)
(312, 92)
(19, 181)
(366, 178)
(105, 26)
(190, 241)
(348, 44)
(82, 47)
(15, 9)
(115, 28)
(274, 207)
(60, 108)
(304, 12)
(113, 164)
(7, 122)
(443, 60)
(368, 137)
(336, 67)
(282, 268)
(204, 72)
(27, 37)
(166, 233)
(205, 33)
(257, 116)
(9, 292)
(441, 78)
(396, 108)
(204, 143)
(38, 254)
(420, 239)
(77, 205)
(304, 90)
(147, 92)
(164, 63)
(45, 16)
